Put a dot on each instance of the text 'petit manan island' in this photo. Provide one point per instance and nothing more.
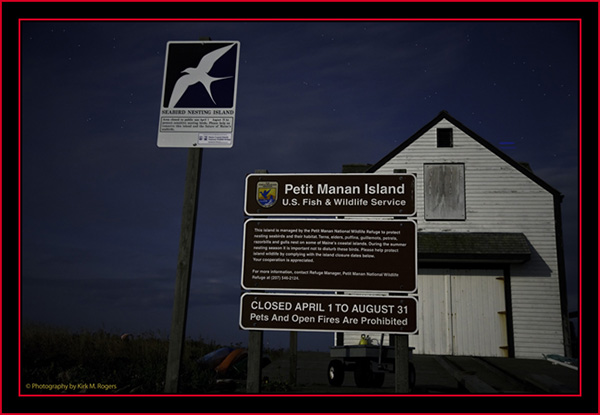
(356, 190)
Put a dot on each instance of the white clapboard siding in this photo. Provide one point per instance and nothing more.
(498, 198)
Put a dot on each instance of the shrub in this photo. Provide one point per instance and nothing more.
(100, 362)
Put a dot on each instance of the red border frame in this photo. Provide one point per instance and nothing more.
(21, 394)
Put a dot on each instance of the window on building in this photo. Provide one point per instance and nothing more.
(444, 190)
(444, 137)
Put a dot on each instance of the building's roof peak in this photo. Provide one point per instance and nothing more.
(446, 115)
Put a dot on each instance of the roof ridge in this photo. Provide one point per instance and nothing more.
(446, 115)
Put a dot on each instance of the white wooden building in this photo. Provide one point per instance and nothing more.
(491, 273)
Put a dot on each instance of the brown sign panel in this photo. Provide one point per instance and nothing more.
(330, 195)
(299, 312)
(330, 255)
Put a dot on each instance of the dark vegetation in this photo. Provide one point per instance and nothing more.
(55, 361)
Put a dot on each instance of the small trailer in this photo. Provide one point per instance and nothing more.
(368, 362)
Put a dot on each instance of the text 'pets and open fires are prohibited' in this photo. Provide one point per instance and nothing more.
(389, 314)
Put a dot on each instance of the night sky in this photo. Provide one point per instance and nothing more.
(101, 203)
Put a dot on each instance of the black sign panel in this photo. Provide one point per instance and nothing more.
(330, 255)
(388, 314)
(330, 195)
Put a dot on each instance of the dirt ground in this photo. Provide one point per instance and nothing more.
(445, 375)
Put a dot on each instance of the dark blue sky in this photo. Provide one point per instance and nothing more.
(101, 203)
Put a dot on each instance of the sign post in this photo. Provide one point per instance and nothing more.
(184, 269)
(401, 370)
(255, 345)
(197, 111)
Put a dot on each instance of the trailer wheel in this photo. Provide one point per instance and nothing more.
(335, 373)
(377, 379)
(364, 376)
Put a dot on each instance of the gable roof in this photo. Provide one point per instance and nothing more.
(444, 115)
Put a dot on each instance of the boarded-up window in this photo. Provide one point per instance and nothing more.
(444, 191)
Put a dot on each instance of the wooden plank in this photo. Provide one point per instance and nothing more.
(184, 269)
(444, 191)
(255, 344)
(293, 358)
(468, 380)
(401, 356)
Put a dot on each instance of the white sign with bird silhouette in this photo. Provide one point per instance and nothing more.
(199, 94)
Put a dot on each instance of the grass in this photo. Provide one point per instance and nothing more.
(55, 360)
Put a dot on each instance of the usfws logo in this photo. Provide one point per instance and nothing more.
(266, 193)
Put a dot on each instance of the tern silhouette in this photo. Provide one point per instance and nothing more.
(199, 74)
